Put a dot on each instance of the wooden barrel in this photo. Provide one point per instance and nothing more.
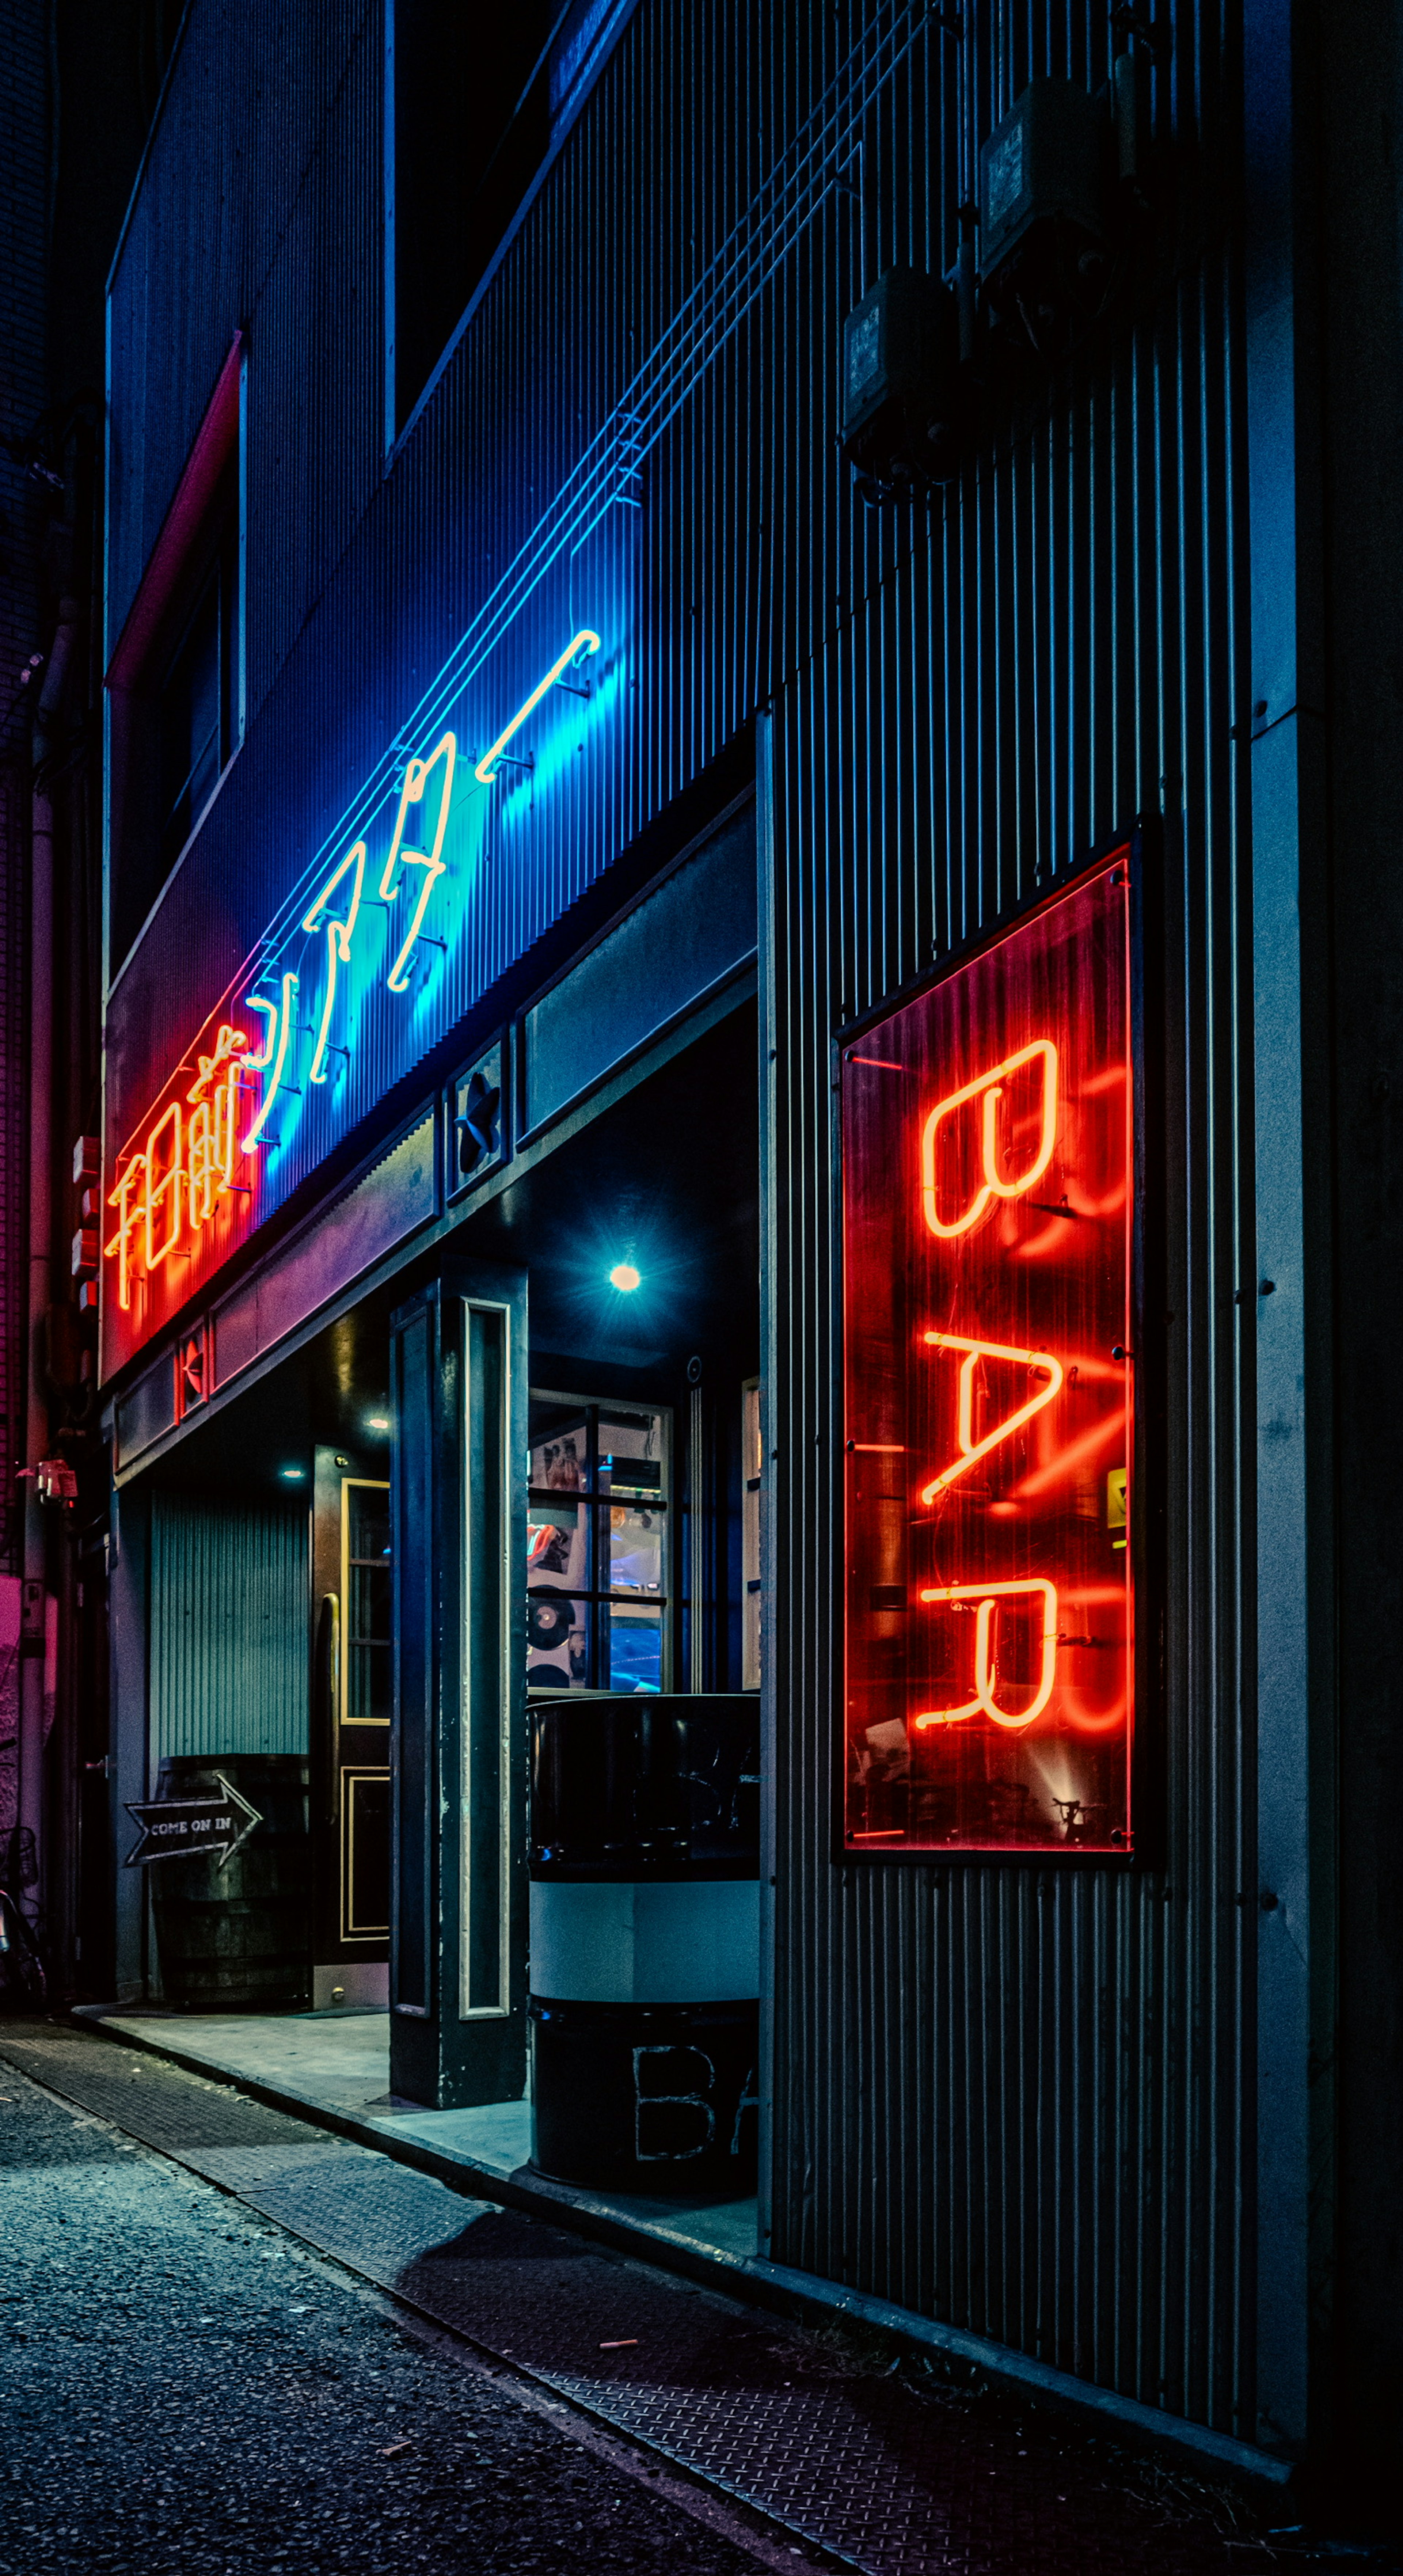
(238, 1939)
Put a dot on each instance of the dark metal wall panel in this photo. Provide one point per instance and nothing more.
(1011, 2097)
(1006, 2099)
(626, 347)
(257, 184)
(230, 1595)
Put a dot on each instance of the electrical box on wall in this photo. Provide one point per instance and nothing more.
(1041, 185)
(903, 398)
(1061, 243)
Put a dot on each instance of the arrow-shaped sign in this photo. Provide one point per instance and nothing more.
(183, 1828)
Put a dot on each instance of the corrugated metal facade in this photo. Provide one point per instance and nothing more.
(1014, 2099)
(1011, 2099)
(229, 1592)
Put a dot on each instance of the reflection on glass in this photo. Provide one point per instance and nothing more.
(560, 1463)
(630, 1453)
(635, 1647)
(369, 1602)
(556, 1643)
(635, 1550)
(557, 1545)
(557, 1564)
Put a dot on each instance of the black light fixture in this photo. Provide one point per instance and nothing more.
(904, 400)
(1065, 224)
(1043, 191)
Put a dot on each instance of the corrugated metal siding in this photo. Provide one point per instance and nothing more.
(631, 325)
(229, 1608)
(1012, 2100)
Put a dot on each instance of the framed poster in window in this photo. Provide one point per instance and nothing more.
(989, 1191)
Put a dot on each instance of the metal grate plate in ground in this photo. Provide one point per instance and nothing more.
(896, 2478)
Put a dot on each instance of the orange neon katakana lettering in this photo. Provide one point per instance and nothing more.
(129, 1199)
(229, 1042)
(165, 1187)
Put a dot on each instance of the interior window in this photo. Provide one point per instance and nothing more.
(367, 1592)
(598, 1546)
(472, 123)
(175, 681)
(197, 713)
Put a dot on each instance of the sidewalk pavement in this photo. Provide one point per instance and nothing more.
(913, 2467)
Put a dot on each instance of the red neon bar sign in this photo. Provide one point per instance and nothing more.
(988, 1359)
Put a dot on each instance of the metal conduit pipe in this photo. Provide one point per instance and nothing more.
(30, 1749)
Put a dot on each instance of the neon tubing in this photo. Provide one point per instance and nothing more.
(988, 1596)
(199, 1164)
(700, 326)
(255, 1063)
(964, 1430)
(416, 778)
(128, 1219)
(754, 249)
(988, 1086)
(226, 1125)
(280, 1016)
(167, 1192)
(338, 946)
(228, 1042)
(580, 647)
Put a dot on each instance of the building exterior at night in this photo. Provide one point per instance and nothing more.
(76, 100)
(750, 654)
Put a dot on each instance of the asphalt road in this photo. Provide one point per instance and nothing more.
(232, 2340)
(186, 2388)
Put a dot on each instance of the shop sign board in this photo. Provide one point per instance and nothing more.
(192, 1828)
(988, 1132)
(389, 932)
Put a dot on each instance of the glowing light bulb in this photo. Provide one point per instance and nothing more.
(624, 1277)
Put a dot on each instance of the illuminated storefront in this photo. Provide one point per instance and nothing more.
(372, 954)
(718, 1106)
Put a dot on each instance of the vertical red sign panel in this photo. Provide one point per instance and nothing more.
(987, 1210)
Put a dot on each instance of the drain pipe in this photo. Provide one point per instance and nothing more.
(30, 1748)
